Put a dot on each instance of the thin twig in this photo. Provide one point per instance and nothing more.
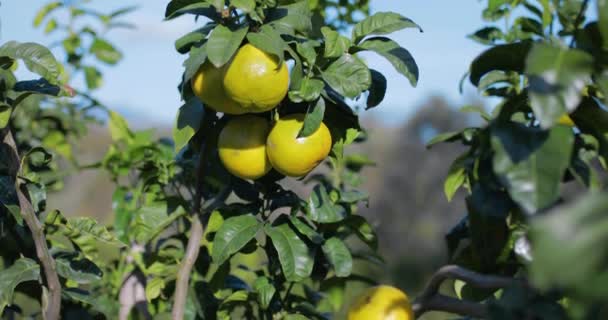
(432, 300)
(28, 213)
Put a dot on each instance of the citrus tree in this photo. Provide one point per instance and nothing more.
(530, 241)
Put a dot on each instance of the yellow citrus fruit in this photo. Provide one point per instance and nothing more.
(207, 84)
(293, 156)
(566, 120)
(242, 146)
(255, 79)
(381, 303)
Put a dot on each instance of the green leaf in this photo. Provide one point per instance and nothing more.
(269, 41)
(187, 41)
(5, 114)
(74, 267)
(531, 162)
(487, 35)
(313, 119)
(456, 177)
(348, 75)
(223, 43)
(41, 86)
(381, 23)
(196, 58)
(88, 234)
(50, 26)
(245, 5)
(310, 90)
(377, 90)
(557, 77)
(569, 236)
(363, 230)
(176, 8)
(307, 50)
(399, 57)
(189, 117)
(233, 235)
(321, 209)
(45, 11)
(506, 57)
(602, 9)
(37, 58)
(119, 128)
(8, 194)
(22, 270)
(306, 230)
(339, 256)
(93, 77)
(335, 44)
(265, 291)
(105, 51)
(295, 257)
(291, 18)
(151, 220)
(153, 288)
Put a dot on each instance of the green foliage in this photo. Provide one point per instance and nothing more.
(542, 65)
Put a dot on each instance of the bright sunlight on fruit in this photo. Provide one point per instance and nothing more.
(242, 147)
(256, 80)
(381, 303)
(293, 156)
(207, 84)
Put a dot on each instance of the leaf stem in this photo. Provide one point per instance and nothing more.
(53, 306)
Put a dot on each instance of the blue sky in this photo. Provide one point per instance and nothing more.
(143, 86)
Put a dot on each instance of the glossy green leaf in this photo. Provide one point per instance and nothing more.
(269, 41)
(399, 57)
(73, 266)
(339, 256)
(306, 230)
(294, 255)
(105, 51)
(456, 177)
(487, 35)
(310, 90)
(22, 270)
(506, 57)
(233, 235)
(381, 23)
(86, 232)
(37, 58)
(307, 50)
(291, 18)
(151, 220)
(245, 5)
(335, 44)
(50, 26)
(348, 75)
(321, 209)
(363, 230)
(176, 8)
(265, 291)
(377, 90)
(557, 77)
(189, 117)
(223, 43)
(569, 236)
(187, 41)
(313, 119)
(531, 162)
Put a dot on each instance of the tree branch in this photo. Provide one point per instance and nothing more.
(432, 300)
(28, 213)
(193, 247)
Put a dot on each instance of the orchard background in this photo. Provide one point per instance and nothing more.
(517, 201)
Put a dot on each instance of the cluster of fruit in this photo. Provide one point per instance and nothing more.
(249, 146)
